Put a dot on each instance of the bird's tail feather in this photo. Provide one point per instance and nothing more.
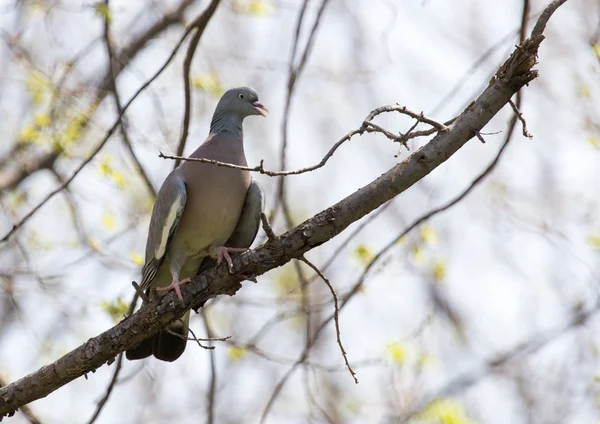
(168, 345)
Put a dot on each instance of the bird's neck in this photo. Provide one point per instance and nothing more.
(227, 123)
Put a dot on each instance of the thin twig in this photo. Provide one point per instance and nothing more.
(209, 339)
(260, 168)
(109, 390)
(294, 74)
(549, 10)
(115, 378)
(212, 391)
(199, 25)
(140, 292)
(112, 73)
(405, 111)
(196, 339)
(267, 227)
(521, 118)
(335, 315)
(367, 126)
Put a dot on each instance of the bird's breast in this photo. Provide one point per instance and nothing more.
(213, 207)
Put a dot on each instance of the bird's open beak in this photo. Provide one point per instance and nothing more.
(260, 108)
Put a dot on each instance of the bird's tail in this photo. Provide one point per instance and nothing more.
(168, 345)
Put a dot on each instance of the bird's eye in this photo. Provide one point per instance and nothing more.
(241, 96)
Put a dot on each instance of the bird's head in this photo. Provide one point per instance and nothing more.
(241, 101)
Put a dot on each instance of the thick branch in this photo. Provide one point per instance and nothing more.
(513, 75)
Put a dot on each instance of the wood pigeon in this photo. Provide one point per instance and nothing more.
(202, 213)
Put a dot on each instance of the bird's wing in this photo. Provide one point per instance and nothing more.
(249, 221)
(166, 215)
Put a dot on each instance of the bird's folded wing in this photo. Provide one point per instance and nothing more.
(249, 222)
(166, 215)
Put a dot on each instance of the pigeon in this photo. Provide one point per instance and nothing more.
(202, 213)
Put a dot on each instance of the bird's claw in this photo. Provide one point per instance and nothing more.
(176, 286)
(223, 253)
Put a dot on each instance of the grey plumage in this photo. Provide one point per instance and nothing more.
(201, 211)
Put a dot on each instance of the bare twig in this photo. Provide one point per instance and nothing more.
(420, 117)
(112, 71)
(267, 227)
(335, 315)
(109, 390)
(294, 74)
(115, 378)
(260, 168)
(196, 339)
(140, 292)
(212, 391)
(367, 126)
(208, 339)
(540, 25)
(521, 118)
(199, 25)
(403, 138)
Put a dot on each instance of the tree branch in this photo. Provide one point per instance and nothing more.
(336, 310)
(153, 316)
(200, 25)
(112, 70)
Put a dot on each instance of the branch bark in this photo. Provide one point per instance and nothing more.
(515, 73)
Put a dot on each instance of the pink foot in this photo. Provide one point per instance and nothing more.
(223, 253)
(175, 285)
